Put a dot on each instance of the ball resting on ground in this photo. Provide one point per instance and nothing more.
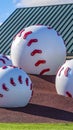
(39, 50)
(64, 79)
(15, 87)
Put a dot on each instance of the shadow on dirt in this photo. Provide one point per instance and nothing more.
(44, 111)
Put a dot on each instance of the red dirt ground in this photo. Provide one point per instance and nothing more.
(46, 105)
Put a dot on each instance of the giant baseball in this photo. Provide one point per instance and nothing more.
(5, 60)
(39, 50)
(15, 87)
(64, 79)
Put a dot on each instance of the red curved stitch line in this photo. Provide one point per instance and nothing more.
(20, 79)
(32, 41)
(4, 87)
(26, 81)
(4, 67)
(44, 71)
(1, 95)
(2, 60)
(20, 33)
(15, 37)
(12, 66)
(69, 94)
(12, 82)
(26, 34)
(5, 57)
(35, 52)
(60, 71)
(66, 71)
(40, 62)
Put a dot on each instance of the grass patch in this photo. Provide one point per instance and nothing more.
(36, 126)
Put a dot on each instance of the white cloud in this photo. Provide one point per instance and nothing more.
(31, 3)
(15, 1)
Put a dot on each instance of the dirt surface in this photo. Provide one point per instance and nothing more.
(45, 106)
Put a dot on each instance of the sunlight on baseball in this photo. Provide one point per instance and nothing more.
(64, 79)
(15, 87)
(39, 50)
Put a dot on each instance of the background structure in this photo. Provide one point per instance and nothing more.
(59, 17)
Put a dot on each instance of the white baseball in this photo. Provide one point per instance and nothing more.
(15, 87)
(64, 79)
(38, 50)
(5, 60)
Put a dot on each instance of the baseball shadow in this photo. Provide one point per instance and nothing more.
(49, 78)
(45, 111)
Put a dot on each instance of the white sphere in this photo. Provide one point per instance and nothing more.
(64, 79)
(5, 60)
(15, 87)
(38, 50)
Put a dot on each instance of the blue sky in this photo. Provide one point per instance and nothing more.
(8, 6)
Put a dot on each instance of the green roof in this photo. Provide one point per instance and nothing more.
(60, 17)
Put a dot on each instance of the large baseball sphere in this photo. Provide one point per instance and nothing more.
(38, 50)
(15, 87)
(64, 79)
(5, 60)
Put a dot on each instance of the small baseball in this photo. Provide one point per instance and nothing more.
(64, 79)
(39, 50)
(15, 87)
(5, 60)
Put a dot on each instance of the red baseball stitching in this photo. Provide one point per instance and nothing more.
(12, 66)
(66, 71)
(1, 95)
(2, 60)
(20, 79)
(26, 34)
(27, 83)
(68, 94)
(5, 87)
(4, 67)
(36, 51)
(40, 62)
(20, 33)
(44, 71)
(15, 36)
(60, 71)
(12, 82)
(32, 41)
(5, 57)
